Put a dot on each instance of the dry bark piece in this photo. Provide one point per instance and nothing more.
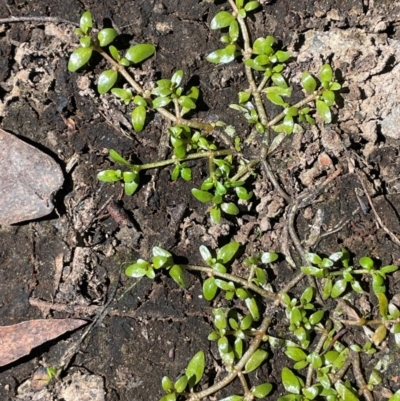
(28, 179)
(19, 339)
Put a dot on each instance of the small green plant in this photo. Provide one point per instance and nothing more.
(312, 338)
(239, 340)
(191, 139)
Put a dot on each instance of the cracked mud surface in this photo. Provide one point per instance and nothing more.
(67, 264)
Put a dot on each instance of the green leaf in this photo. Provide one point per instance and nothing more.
(224, 285)
(282, 56)
(246, 323)
(234, 31)
(202, 196)
(227, 252)
(395, 396)
(328, 97)
(223, 345)
(209, 289)
(383, 304)
(338, 288)
(366, 263)
(307, 295)
(388, 269)
(177, 78)
(158, 251)
(195, 369)
(308, 82)
(124, 94)
(220, 321)
(106, 36)
(114, 53)
(251, 5)
(316, 317)
(222, 20)
(187, 102)
(138, 269)
(243, 194)
(106, 81)
(230, 208)
(335, 86)
(290, 381)
(345, 393)
(138, 118)
(85, 41)
(276, 99)
(323, 111)
(311, 392)
(378, 285)
(278, 80)
(139, 100)
(222, 56)
(262, 390)
(244, 97)
(86, 22)
(296, 354)
(110, 175)
(167, 384)
(79, 58)
(169, 397)
(205, 253)
(130, 187)
(161, 102)
(181, 384)
(186, 173)
(178, 275)
(252, 306)
(269, 257)
(255, 360)
(116, 157)
(278, 90)
(326, 73)
(140, 52)
(263, 46)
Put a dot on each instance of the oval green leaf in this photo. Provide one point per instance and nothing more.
(227, 252)
(195, 369)
(202, 196)
(79, 58)
(138, 118)
(323, 111)
(222, 20)
(106, 81)
(109, 175)
(106, 36)
(255, 360)
(308, 82)
(140, 52)
(178, 275)
(290, 381)
(209, 289)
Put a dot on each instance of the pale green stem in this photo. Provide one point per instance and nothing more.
(238, 367)
(302, 103)
(193, 156)
(138, 89)
(244, 170)
(212, 272)
(249, 73)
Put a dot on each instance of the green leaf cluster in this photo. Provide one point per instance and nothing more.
(193, 374)
(129, 178)
(216, 187)
(169, 90)
(162, 259)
